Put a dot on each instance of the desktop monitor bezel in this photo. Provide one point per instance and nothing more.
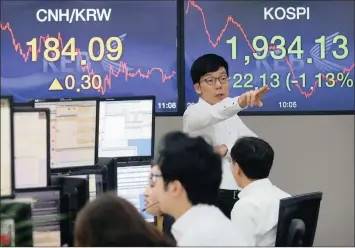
(84, 172)
(29, 104)
(291, 201)
(71, 182)
(12, 148)
(84, 99)
(48, 140)
(122, 99)
(63, 209)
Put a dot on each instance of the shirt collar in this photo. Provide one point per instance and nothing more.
(182, 224)
(203, 102)
(258, 184)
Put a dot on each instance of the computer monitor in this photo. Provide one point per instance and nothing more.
(73, 131)
(304, 210)
(16, 223)
(132, 180)
(76, 188)
(32, 148)
(126, 128)
(48, 214)
(95, 180)
(7, 148)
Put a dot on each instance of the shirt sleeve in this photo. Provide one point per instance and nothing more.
(242, 219)
(197, 117)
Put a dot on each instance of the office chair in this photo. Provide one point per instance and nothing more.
(298, 218)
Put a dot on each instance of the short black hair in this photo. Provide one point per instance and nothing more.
(193, 162)
(205, 64)
(254, 156)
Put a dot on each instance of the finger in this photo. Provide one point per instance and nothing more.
(253, 98)
(249, 102)
(263, 90)
(260, 104)
(260, 93)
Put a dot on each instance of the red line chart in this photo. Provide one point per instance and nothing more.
(107, 79)
(231, 21)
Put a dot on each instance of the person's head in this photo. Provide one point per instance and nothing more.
(151, 199)
(252, 159)
(210, 76)
(113, 221)
(188, 173)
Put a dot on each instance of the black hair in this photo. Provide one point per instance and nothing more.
(111, 221)
(192, 162)
(254, 156)
(205, 64)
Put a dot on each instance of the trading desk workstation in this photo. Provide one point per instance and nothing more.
(58, 154)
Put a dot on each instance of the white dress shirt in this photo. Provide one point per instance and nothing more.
(206, 225)
(257, 211)
(219, 124)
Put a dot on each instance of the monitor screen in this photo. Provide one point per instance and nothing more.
(95, 184)
(305, 58)
(119, 56)
(72, 132)
(31, 149)
(6, 148)
(125, 128)
(131, 184)
(46, 217)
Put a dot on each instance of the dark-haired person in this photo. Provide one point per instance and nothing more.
(215, 115)
(258, 207)
(111, 221)
(186, 182)
(152, 207)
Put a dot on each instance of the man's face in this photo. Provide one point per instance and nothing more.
(157, 191)
(151, 199)
(214, 86)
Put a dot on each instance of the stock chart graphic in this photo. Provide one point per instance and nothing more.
(304, 50)
(72, 49)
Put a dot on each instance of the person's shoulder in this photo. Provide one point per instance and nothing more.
(280, 193)
(193, 107)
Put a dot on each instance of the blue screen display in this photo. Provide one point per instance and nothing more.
(73, 49)
(304, 50)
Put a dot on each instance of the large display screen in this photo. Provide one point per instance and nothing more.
(304, 50)
(71, 49)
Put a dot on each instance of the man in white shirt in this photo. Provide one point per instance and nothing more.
(257, 209)
(215, 117)
(185, 181)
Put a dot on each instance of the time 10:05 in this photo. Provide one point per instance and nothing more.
(167, 105)
(288, 104)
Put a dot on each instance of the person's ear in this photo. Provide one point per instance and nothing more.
(197, 87)
(238, 171)
(175, 188)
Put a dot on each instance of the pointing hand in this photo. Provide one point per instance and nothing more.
(252, 97)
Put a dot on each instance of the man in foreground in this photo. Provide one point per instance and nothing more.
(186, 183)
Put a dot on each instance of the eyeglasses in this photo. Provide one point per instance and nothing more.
(153, 178)
(212, 80)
